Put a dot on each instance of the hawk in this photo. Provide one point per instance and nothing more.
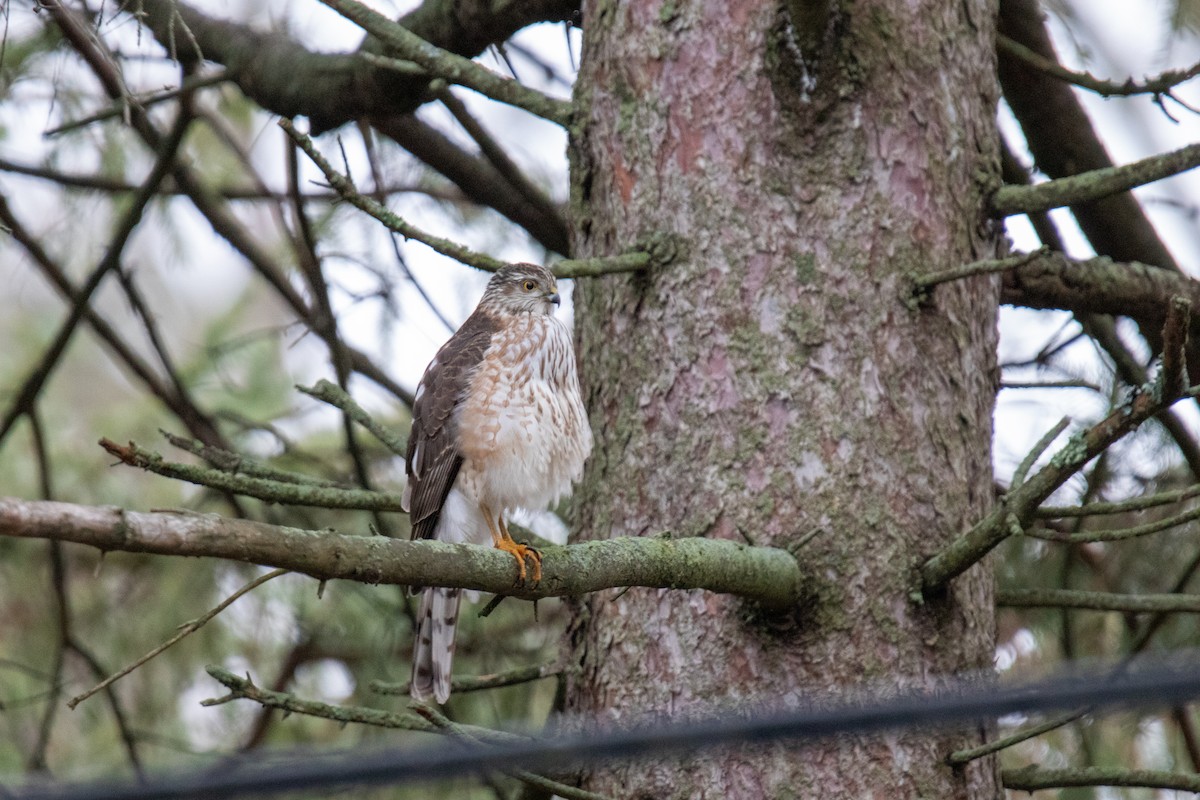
(498, 424)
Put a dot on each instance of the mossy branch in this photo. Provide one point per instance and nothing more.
(239, 464)
(567, 268)
(924, 283)
(339, 398)
(426, 719)
(767, 575)
(1014, 513)
(1099, 601)
(242, 688)
(271, 491)
(453, 68)
(1093, 185)
(1033, 778)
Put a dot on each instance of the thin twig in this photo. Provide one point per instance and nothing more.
(490, 148)
(237, 463)
(1033, 455)
(1159, 85)
(185, 630)
(475, 683)
(335, 396)
(1014, 514)
(345, 187)
(205, 199)
(1117, 534)
(368, 140)
(145, 101)
(1071, 383)
(1122, 507)
(453, 729)
(924, 283)
(662, 249)
(101, 183)
(325, 323)
(242, 688)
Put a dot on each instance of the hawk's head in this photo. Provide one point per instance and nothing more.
(521, 289)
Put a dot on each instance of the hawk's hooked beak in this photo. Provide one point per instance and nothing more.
(554, 298)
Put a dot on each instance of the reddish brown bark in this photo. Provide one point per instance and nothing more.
(771, 384)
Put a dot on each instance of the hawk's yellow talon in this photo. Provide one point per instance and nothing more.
(522, 552)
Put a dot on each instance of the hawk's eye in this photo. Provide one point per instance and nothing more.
(529, 286)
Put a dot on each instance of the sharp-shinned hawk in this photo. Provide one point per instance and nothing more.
(498, 424)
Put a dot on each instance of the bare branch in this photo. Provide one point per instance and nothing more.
(1123, 507)
(426, 720)
(345, 187)
(243, 688)
(463, 733)
(476, 177)
(1173, 376)
(196, 421)
(491, 149)
(237, 463)
(960, 757)
(101, 183)
(206, 200)
(145, 101)
(1117, 534)
(1158, 85)
(334, 88)
(1035, 453)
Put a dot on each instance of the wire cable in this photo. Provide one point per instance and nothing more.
(1163, 684)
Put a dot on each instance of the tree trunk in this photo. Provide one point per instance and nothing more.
(771, 385)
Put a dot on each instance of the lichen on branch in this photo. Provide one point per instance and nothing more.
(766, 575)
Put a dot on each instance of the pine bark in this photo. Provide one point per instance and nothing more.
(771, 385)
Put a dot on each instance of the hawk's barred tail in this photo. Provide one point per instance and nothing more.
(433, 651)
